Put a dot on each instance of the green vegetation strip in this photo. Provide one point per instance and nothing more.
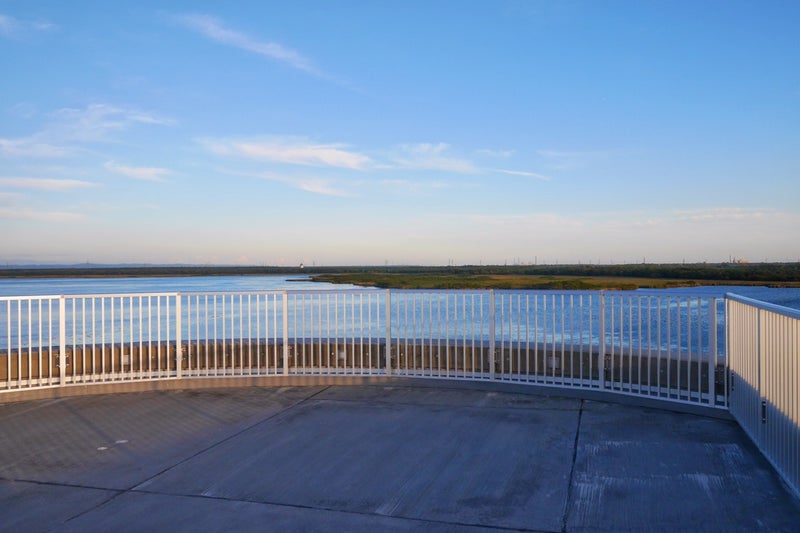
(519, 282)
(560, 277)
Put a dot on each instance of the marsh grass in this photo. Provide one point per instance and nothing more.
(501, 281)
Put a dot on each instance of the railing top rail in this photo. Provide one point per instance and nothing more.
(663, 294)
(364, 290)
(121, 295)
(92, 295)
(371, 290)
(779, 309)
(281, 292)
(31, 297)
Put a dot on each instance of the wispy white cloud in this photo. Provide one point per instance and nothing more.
(33, 147)
(10, 26)
(24, 110)
(43, 216)
(298, 151)
(499, 154)
(322, 187)
(313, 184)
(6, 24)
(139, 173)
(438, 157)
(316, 185)
(68, 130)
(291, 151)
(521, 173)
(96, 121)
(215, 30)
(44, 184)
(429, 156)
(722, 214)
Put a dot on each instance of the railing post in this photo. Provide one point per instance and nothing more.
(761, 374)
(388, 332)
(62, 339)
(178, 346)
(285, 333)
(712, 357)
(492, 343)
(601, 353)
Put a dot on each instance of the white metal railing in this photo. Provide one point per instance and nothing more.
(635, 343)
(61, 340)
(764, 361)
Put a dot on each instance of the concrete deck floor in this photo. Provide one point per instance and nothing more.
(375, 458)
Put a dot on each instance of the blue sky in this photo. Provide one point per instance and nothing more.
(428, 132)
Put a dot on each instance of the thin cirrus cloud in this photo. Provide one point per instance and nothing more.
(69, 128)
(290, 151)
(7, 24)
(139, 173)
(722, 214)
(215, 30)
(498, 154)
(32, 147)
(300, 151)
(10, 25)
(522, 173)
(436, 156)
(430, 156)
(96, 121)
(315, 185)
(42, 216)
(44, 184)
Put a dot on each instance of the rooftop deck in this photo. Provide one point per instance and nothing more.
(402, 455)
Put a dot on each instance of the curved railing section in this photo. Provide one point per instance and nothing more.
(633, 343)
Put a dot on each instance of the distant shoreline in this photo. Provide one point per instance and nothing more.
(562, 277)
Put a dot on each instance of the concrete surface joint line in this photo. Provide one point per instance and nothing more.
(381, 456)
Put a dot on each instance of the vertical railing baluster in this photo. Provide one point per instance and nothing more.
(492, 339)
(388, 340)
(601, 333)
(62, 340)
(285, 333)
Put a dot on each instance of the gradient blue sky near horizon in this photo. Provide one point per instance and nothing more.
(435, 132)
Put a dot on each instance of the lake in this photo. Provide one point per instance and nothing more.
(670, 318)
(56, 286)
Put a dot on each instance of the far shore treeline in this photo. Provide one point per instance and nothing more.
(627, 276)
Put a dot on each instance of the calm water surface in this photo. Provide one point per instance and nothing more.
(57, 286)
(681, 314)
